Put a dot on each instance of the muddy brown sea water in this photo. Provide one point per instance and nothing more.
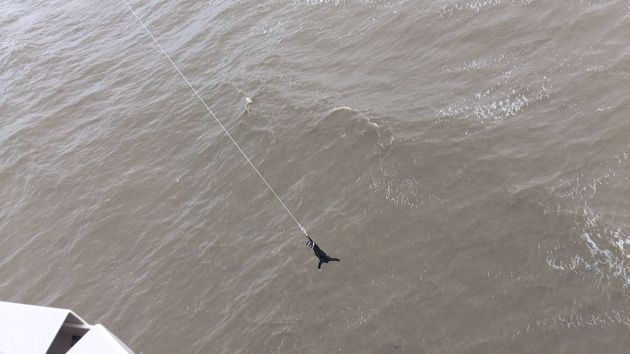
(468, 161)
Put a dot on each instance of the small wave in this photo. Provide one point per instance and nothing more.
(575, 319)
(605, 246)
(508, 58)
(342, 108)
(498, 109)
(345, 112)
(400, 191)
(476, 6)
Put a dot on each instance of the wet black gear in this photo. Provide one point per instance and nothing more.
(323, 257)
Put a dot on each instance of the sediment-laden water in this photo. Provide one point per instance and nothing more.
(468, 161)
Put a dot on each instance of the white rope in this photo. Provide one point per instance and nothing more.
(215, 118)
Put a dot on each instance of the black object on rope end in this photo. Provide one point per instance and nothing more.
(319, 253)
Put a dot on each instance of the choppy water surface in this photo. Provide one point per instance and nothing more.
(467, 160)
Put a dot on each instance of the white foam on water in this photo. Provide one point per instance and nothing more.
(496, 110)
(342, 108)
(401, 191)
(477, 6)
(606, 243)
